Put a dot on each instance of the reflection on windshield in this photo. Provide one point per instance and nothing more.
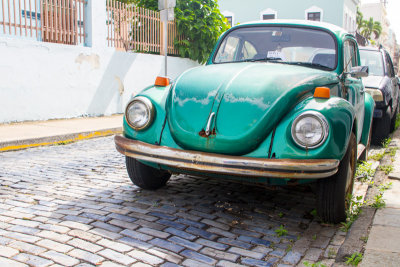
(283, 44)
(374, 61)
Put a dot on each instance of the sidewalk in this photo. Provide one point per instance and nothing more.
(16, 136)
(383, 246)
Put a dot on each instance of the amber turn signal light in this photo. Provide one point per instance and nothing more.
(322, 92)
(162, 81)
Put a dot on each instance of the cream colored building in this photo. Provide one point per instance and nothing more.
(378, 12)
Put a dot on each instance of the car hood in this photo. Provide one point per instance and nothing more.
(373, 81)
(246, 99)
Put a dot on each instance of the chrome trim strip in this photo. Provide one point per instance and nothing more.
(228, 165)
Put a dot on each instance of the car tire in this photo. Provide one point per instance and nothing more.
(381, 128)
(393, 120)
(333, 193)
(144, 176)
(364, 154)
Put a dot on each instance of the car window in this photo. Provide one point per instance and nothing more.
(349, 55)
(389, 65)
(285, 44)
(374, 61)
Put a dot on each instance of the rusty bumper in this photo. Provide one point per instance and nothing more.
(228, 165)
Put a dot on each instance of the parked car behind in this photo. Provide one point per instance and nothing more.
(278, 102)
(383, 85)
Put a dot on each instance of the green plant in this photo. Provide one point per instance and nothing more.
(281, 214)
(281, 231)
(364, 239)
(377, 156)
(354, 259)
(391, 151)
(397, 123)
(378, 201)
(316, 264)
(200, 23)
(386, 142)
(364, 171)
(289, 248)
(314, 237)
(354, 210)
(331, 253)
(386, 168)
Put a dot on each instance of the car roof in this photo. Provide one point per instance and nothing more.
(316, 24)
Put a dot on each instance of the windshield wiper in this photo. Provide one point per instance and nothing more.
(274, 59)
(308, 64)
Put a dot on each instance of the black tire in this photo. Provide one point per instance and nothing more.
(333, 192)
(381, 128)
(145, 176)
(393, 120)
(364, 154)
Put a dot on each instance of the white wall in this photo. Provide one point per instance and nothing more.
(40, 81)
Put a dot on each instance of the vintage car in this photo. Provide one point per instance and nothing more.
(278, 103)
(383, 85)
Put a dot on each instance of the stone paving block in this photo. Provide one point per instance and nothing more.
(216, 224)
(49, 244)
(135, 243)
(172, 224)
(24, 229)
(27, 223)
(201, 233)
(214, 253)
(224, 263)
(114, 245)
(185, 243)
(153, 232)
(82, 244)
(107, 227)
(111, 264)
(86, 256)
(76, 225)
(84, 235)
(246, 253)
(54, 236)
(253, 240)
(11, 263)
(60, 258)
(387, 217)
(147, 258)
(105, 233)
(313, 254)
(136, 235)
(191, 223)
(121, 217)
(78, 219)
(166, 244)
(193, 263)
(124, 224)
(220, 232)
(26, 247)
(384, 238)
(246, 233)
(54, 228)
(116, 256)
(236, 243)
(198, 257)
(373, 258)
(22, 237)
(169, 264)
(152, 225)
(8, 252)
(163, 215)
(254, 262)
(292, 258)
(180, 233)
(212, 244)
(33, 260)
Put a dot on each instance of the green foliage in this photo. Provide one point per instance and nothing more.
(386, 142)
(364, 171)
(281, 231)
(386, 168)
(369, 27)
(397, 124)
(354, 210)
(378, 202)
(377, 156)
(199, 21)
(354, 259)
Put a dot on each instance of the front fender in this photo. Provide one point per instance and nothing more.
(369, 113)
(340, 115)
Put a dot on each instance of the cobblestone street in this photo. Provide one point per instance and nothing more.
(75, 205)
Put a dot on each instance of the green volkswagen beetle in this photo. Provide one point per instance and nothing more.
(278, 102)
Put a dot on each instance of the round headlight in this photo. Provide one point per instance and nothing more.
(139, 113)
(310, 129)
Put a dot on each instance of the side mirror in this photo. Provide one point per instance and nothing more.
(359, 71)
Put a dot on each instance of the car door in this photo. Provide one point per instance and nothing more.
(354, 86)
(393, 81)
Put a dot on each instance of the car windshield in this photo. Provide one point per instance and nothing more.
(290, 45)
(374, 61)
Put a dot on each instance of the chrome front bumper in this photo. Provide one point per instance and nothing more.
(227, 165)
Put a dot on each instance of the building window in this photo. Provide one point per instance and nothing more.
(229, 16)
(268, 14)
(316, 16)
(314, 13)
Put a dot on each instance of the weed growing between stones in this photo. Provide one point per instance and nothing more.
(354, 259)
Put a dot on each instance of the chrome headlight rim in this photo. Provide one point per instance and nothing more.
(150, 110)
(322, 120)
